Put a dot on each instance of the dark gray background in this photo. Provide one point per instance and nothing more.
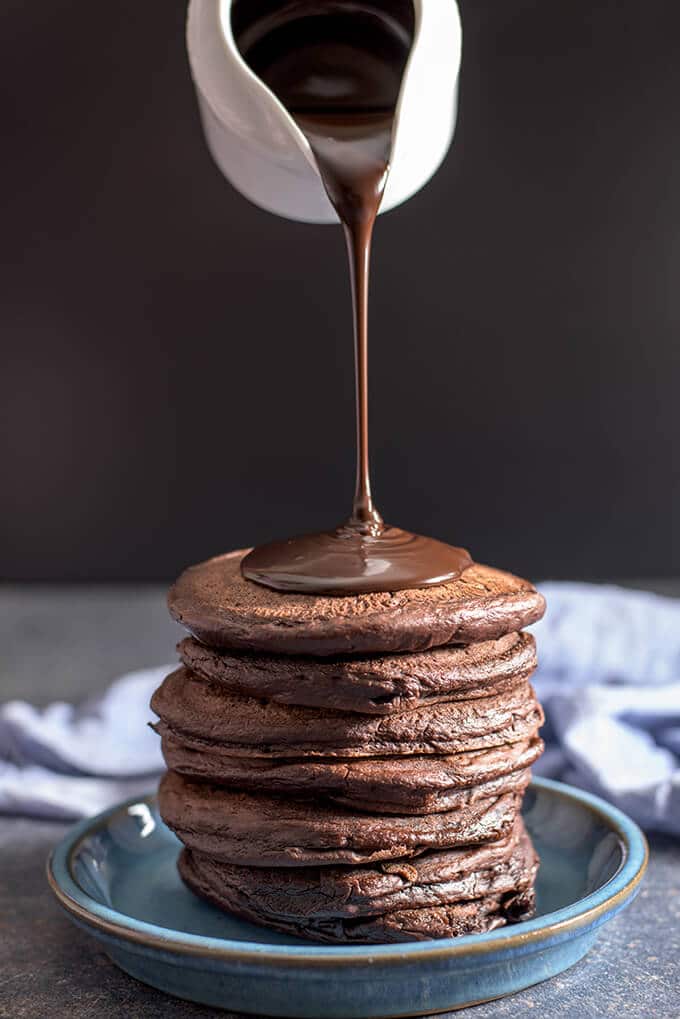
(176, 364)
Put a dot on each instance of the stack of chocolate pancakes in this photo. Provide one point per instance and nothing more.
(351, 769)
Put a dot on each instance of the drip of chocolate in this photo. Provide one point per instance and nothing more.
(337, 67)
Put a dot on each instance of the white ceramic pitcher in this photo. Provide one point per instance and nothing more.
(261, 150)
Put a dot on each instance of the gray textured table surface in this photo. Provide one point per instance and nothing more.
(67, 642)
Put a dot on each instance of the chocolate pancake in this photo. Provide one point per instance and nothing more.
(244, 726)
(375, 686)
(432, 879)
(261, 831)
(370, 901)
(419, 785)
(451, 921)
(222, 609)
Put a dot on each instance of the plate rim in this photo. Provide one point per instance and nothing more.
(528, 936)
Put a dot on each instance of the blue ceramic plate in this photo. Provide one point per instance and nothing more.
(115, 875)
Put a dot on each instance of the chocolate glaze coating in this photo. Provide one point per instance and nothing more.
(246, 726)
(224, 610)
(379, 685)
(261, 831)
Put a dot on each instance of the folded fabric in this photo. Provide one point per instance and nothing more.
(67, 761)
(609, 679)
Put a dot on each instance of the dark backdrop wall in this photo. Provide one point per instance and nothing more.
(176, 364)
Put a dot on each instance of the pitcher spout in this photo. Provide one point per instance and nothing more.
(260, 148)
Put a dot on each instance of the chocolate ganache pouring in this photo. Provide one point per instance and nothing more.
(347, 769)
(337, 67)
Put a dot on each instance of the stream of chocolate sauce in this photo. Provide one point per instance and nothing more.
(337, 67)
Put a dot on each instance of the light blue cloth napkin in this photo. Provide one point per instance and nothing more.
(609, 679)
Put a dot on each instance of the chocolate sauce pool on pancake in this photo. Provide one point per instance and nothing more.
(337, 66)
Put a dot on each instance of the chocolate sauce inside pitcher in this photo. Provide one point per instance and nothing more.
(337, 67)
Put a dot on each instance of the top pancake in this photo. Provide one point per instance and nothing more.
(224, 610)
